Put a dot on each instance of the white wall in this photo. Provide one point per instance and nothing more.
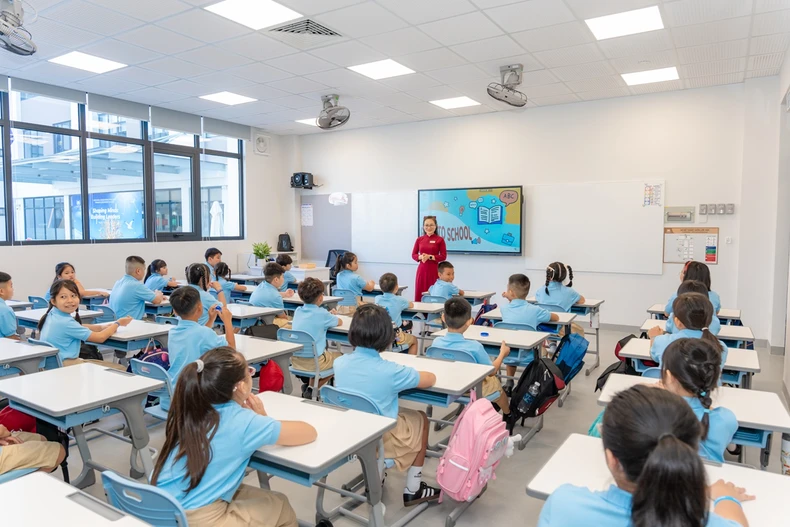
(696, 140)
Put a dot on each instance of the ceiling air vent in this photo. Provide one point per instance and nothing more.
(306, 34)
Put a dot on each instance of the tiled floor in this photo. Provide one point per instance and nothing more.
(506, 499)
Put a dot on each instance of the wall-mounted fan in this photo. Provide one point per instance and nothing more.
(14, 37)
(333, 115)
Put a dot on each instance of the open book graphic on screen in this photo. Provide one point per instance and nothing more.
(491, 215)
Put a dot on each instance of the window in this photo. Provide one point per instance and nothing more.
(162, 135)
(105, 123)
(221, 143)
(173, 193)
(33, 143)
(44, 218)
(38, 109)
(220, 181)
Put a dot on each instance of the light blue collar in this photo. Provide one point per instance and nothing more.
(367, 352)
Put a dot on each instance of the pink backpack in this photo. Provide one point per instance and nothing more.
(478, 442)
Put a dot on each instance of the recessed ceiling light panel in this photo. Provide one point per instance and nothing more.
(382, 69)
(255, 14)
(226, 97)
(628, 23)
(649, 76)
(86, 62)
(455, 102)
(309, 122)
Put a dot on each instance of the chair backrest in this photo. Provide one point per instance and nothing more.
(433, 299)
(13, 474)
(511, 325)
(552, 308)
(243, 302)
(298, 337)
(51, 362)
(142, 501)
(344, 399)
(38, 302)
(348, 296)
(152, 371)
(108, 315)
(652, 373)
(435, 352)
(161, 319)
(331, 258)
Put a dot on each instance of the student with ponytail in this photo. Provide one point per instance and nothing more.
(155, 276)
(650, 440)
(558, 290)
(65, 271)
(346, 275)
(701, 273)
(199, 278)
(695, 286)
(691, 370)
(214, 425)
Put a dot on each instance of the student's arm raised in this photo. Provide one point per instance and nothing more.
(227, 320)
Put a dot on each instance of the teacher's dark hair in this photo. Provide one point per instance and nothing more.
(426, 218)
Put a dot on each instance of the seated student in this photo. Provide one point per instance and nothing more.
(692, 313)
(187, 341)
(198, 277)
(395, 304)
(21, 450)
(557, 292)
(129, 295)
(444, 287)
(156, 277)
(694, 286)
(691, 369)
(65, 271)
(213, 257)
(650, 440)
(347, 278)
(214, 425)
(700, 272)
(8, 323)
(267, 293)
(62, 328)
(222, 271)
(366, 373)
(288, 278)
(458, 317)
(315, 320)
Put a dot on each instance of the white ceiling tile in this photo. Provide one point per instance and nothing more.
(140, 76)
(530, 15)
(770, 23)
(401, 42)
(435, 93)
(431, 60)
(547, 90)
(213, 57)
(718, 67)
(89, 17)
(585, 9)
(761, 6)
(710, 52)
(296, 102)
(296, 85)
(419, 11)
(104, 86)
(260, 73)
(487, 4)
(423, 109)
(688, 12)
(159, 39)
(222, 81)
(632, 45)
(609, 83)
(488, 49)
(472, 110)
(557, 99)
(569, 56)
(339, 77)
(416, 81)
(656, 87)
(762, 73)
(649, 61)
(769, 44)
(460, 29)
(553, 37)
(536, 78)
(261, 92)
(606, 93)
(300, 64)
(43, 5)
(204, 25)
(765, 62)
(257, 47)
(46, 71)
(313, 7)
(721, 31)
(147, 10)
(362, 20)
(365, 88)
(715, 80)
(174, 66)
(350, 53)
(152, 96)
(394, 99)
(46, 30)
(250, 108)
(583, 71)
(200, 2)
(466, 73)
(529, 62)
(120, 52)
(186, 88)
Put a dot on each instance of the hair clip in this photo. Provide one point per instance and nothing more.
(705, 328)
(703, 393)
(199, 365)
(662, 436)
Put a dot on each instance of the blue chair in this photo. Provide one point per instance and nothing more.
(14, 474)
(308, 351)
(108, 315)
(349, 299)
(38, 302)
(524, 356)
(652, 373)
(154, 371)
(243, 302)
(50, 363)
(162, 319)
(435, 352)
(552, 308)
(142, 501)
(433, 299)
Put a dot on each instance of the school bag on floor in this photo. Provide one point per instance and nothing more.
(537, 388)
(477, 444)
(479, 320)
(621, 344)
(622, 367)
(569, 356)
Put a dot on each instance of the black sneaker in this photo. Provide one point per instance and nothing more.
(508, 389)
(307, 392)
(426, 493)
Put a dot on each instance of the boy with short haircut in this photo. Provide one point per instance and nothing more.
(129, 294)
(395, 305)
(267, 294)
(288, 278)
(8, 322)
(20, 450)
(314, 320)
(213, 257)
(458, 317)
(188, 340)
(444, 287)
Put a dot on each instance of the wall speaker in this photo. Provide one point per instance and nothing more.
(302, 180)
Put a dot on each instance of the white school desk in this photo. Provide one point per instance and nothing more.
(136, 336)
(247, 279)
(322, 273)
(82, 393)
(580, 461)
(257, 350)
(18, 305)
(246, 316)
(723, 314)
(741, 334)
(377, 290)
(40, 499)
(339, 334)
(518, 339)
(738, 359)
(565, 319)
(329, 302)
(474, 297)
(25, 357)
(341, 434)
(30, 317)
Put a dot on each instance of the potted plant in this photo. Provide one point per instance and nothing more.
(261, 252)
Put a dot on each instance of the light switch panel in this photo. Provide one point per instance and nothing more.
(730, 208)
(721, 209)
(703, 209)
(711, 208)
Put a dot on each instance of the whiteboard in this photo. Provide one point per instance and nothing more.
(384, 226)
(595, 227)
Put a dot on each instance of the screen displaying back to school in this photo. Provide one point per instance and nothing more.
(476, 220)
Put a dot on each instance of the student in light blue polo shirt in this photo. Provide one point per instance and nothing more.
(395, 304)
(701, 273)
(223, 274)
(213, 257)
(267, 294)
(187, 341)
(129, 295)
(346, 277)
(556, 292)
(444, 287)
(288, 278)
(364, 372)
(198, 277)
(156, 276)
(457, 317)
(66, 271)
(8, 321)
(650, 440)
(214, 396)
(693, 286)
(61, 326)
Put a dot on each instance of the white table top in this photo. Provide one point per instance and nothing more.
(341, 432)
(18, 304)
(580, 461)
(256, 278)
(80, 387)
(242, 311)
(514, 338)
(588, 302)
(752, 408)
(723, 314)
(478, 295)
(34, 315)
(453, 378)
(165, 301)
(13, 350)
(258, 350)
(401, 288)
(296, 300)
(726, 332)
(737, 359)
(137, 329)
(346, 324)
(564, 318)
(429, 308)
(40, 499)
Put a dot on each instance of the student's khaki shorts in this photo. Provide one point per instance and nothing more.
(492, 384)
(282, 322)
(404, 339)
(325, 361)
(404, 442)
(34, 452)
(113, 365)
(250, 506)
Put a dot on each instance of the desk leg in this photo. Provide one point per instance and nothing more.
(479, 389)
(132, 410)
(370, 471)
(284, 362)
(87, 477)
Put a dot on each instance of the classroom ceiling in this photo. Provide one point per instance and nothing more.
(178, 51)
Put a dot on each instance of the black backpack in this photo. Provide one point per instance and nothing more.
(263, 331)
(624, 367)
(284, 243)
(546, 377)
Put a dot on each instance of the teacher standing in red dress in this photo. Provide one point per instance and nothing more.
(429, 250)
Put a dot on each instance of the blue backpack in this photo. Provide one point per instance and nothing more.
(569, 356)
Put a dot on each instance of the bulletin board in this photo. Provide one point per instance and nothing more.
(685, 244)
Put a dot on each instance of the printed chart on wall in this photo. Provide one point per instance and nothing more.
(476, 220)
(684, 244)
